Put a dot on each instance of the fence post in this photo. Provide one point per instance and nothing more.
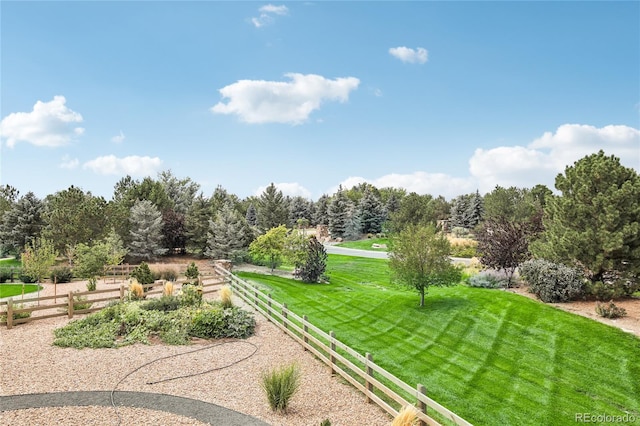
(421, 405)
(305, 329)
(284, 315)
(70, 305)
(269, 306)
(12, 274)
(369, 373)
(10, 313)
(122, 292)
(332, 348)
(255, 298)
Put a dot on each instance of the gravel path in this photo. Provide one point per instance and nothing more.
(31, 364)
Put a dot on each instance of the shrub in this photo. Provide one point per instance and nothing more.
(613, 286)
(168, 274)
(214, 322)
(406, 416)
(279, 385)
(610, 310)
(163, 304)
(192, 273)
(463, 247)
(325, 422)
(552, 282)
(5, 275)
(488, 279)
(191, 295)
(26, 278)
(16, 315)
(92, 283)
(80, 303)
(225, 297)
(61, 274)
(240, 256)
(143, 274)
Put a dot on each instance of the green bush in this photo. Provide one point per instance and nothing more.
(26, 278)
(168, 274)
(613, 286)
(610, 310)
(191, 295)
(213, 322)
(192, 273)
(92, 284)
(143, 274)
(488, 279)
(552, 282)
(61, 274)
(280, 385)
(80, 303)
(164, 304)
(5, 275)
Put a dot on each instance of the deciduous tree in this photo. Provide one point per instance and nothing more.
(419, 258)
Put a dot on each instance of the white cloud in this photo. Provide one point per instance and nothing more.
(418, 182)
(407, 54)
(260, 101)
(69, 163)
(49, 124)
(548, 155)
(267, 13)
(118, 138)
(292, 189)
(133, 165)
(278, 10)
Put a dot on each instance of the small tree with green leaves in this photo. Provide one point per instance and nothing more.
(419, 258)
(192, 273)
(270, 247)
(38, 258)
(142, 273)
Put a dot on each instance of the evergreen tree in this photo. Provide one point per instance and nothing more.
(321, 211)
(252, 216)
(146, 231)
(475, 210)
(74, 216)
(181, 192)
(272, 209)
(315, 263)
(8, 197)
(227, 234)
(460, 207)
(300, 208)
(338, 214)
(197, 225)
(595, 224)
(370, 212)
(173, 231)
(22, 223)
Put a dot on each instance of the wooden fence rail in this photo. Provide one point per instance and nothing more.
(11, 307)
(359, 370)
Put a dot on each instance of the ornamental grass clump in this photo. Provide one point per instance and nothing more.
(167, 289)
(408, 416)
(610, 310)
(136, 291)
(225, 297)
(279, 385)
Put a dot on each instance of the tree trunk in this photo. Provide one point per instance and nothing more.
(421, 298)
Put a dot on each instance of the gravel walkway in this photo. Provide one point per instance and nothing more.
(31, 364)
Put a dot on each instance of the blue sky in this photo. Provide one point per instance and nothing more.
(436, 97)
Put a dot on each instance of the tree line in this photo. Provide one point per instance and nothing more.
(591, 223)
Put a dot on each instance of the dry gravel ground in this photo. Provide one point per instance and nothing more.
(31, 364)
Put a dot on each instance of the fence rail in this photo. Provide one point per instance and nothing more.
(11, 307)
(359, 370)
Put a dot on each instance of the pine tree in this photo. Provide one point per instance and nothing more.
(459, 211)
(227, 234)
(353, 226)
(475, 210)
(252, 215)
(181, 192)
(594, 225)
(272, 209)
(370, 212)
(146, 231)
(321, 211)
(299, 208)
(22, 223)
(338, 214)
(197, 225)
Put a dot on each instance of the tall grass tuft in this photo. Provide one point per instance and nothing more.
(280, 384)
(167, 290)
(225, 296)
(136, 291)
(408, 416)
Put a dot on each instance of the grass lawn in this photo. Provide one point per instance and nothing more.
(365, 244)
(11, 262)
(9, 290)
(493, 357)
